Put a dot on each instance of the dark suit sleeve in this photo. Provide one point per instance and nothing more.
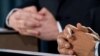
(27, 3)
(96, 22)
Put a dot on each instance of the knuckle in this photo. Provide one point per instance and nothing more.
(16, 15)
(62, 51)
(32, 7)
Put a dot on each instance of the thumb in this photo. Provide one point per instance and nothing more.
(69, 31)
(82, 28)
(43, 11)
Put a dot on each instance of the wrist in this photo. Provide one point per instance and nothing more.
(59, 26)
(96, 48)
(8, 16)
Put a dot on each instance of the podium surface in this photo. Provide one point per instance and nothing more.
(9, 52)
(9, 39)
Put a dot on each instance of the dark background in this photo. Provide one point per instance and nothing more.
(5, 7)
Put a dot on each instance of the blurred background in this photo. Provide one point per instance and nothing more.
(5, 7)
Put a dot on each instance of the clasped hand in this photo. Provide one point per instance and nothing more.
(30, 22)
(79, 41)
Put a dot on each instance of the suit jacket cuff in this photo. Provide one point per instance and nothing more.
(59, 26)
(10, 13)
(97, 48)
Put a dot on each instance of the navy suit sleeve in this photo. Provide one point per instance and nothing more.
(96, 22)
(27, 3)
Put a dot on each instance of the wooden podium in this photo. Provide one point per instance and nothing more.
(11, 44)
(12, 40)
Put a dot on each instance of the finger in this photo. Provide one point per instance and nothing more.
(22, 15)
(38, 16)
(62, 35)
(28, 15)
(35, 18)
(93, 32)
(43, 11)
(66, 55)
(34, 12)
(72, 55)
(31, 9)
(62, 43)
(29, 23)
(69, 31)
(29, 32)
(25, 24)
(94, 36)
(72, 28)
(32, 23)
(16, 25)
(21, 24)
(65, 51)
(33, 32)
(16, 14)
(82, 28)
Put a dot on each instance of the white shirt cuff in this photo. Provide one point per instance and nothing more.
(96, 48)
(10, 13)
(59, 27)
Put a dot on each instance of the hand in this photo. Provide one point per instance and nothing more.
(48, 29)
(28, 21)
(25, 21)
(64, 47)
(81, 41)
